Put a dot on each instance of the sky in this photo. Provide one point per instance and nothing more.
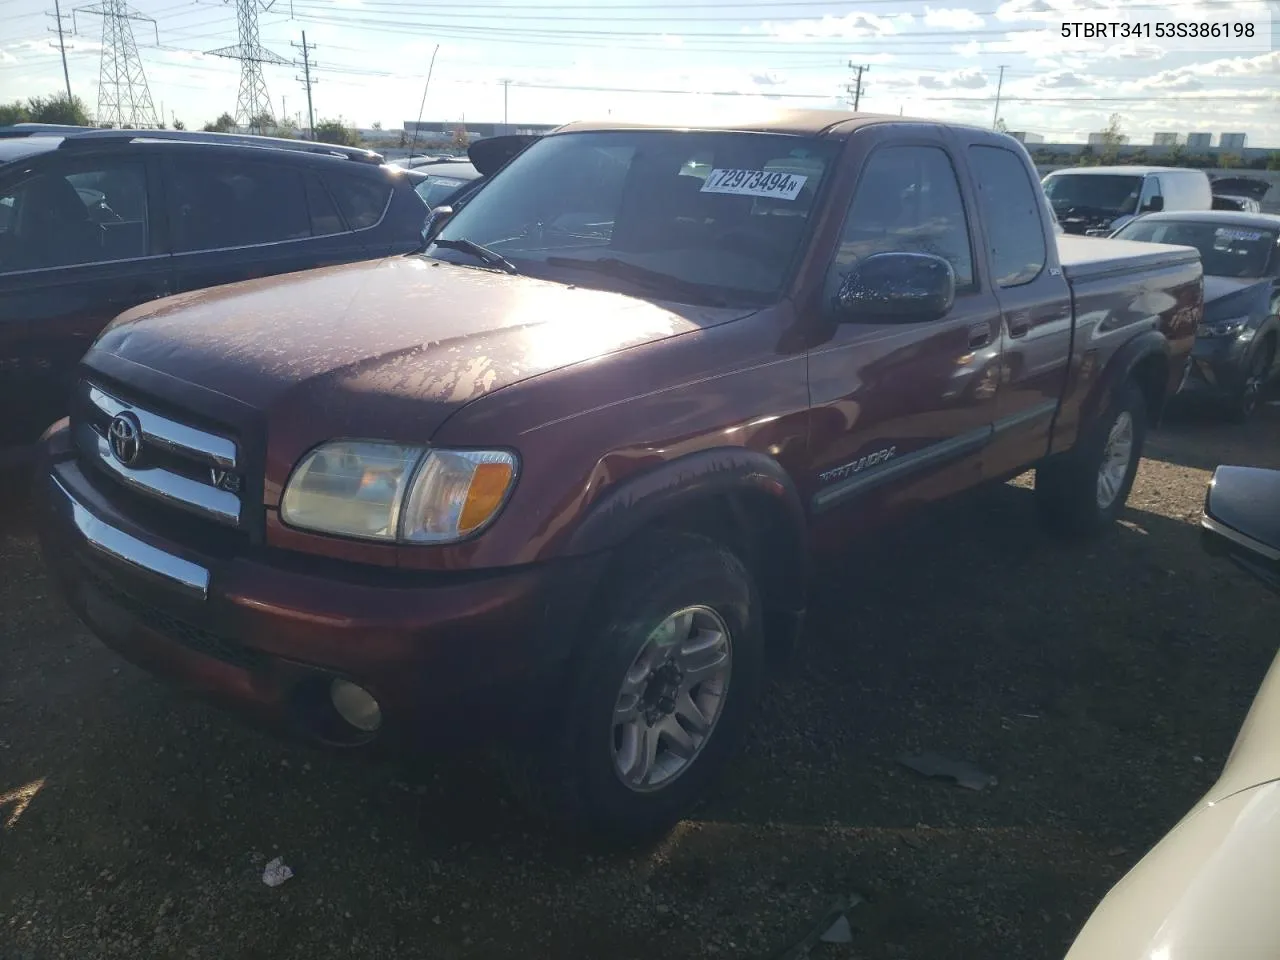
(629, 59)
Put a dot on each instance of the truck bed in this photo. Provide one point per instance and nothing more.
(1085, 258)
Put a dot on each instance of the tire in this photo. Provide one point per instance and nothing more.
(1071, 498)
(576, 781)
(1249, 398)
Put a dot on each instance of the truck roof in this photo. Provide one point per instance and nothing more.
(810, 122)
(1133, 171)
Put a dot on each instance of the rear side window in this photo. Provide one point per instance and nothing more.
(1012, 214)
(908, 201)
(324, 215)
(223, 203)
(361, 201)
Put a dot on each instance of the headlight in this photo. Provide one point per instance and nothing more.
(397, 492)
(1231, 327)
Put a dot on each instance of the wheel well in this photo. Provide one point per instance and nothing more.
(1151, 374)
(762, 534)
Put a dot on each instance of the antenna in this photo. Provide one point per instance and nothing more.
(124, 99)
(253, 105)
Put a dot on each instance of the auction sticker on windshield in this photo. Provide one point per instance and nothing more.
(754, 183)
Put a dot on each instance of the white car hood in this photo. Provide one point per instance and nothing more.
(1210, 890)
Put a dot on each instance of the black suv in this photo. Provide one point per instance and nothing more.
(93, 222)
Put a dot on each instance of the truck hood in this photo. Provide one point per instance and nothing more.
(383, 347)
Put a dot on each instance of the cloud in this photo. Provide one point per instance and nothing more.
(1062, 80)
(852, 26)
(1267, 63)
(956, 18)
(1172, 81)
(970, 78)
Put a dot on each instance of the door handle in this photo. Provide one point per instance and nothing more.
(979, 335)
(1018, 327)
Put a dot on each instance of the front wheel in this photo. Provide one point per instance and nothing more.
(1085, 490)
(661, 693)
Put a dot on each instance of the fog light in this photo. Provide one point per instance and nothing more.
(355, 705)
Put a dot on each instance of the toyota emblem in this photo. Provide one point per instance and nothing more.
(125, 438)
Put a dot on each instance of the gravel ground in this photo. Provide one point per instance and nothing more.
(1102, 684)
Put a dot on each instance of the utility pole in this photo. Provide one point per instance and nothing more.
(284, 113)
(995, 119)
(62, 46)
(305, 79)
(854, 89)
(506, 87)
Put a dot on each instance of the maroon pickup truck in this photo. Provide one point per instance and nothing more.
(557, 481)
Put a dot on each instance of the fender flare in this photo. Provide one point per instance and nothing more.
(1120, 368)
(642, 500)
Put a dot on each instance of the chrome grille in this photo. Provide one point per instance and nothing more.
(183, 466)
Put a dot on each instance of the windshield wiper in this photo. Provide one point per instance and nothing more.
(491, 258)
(653, 280)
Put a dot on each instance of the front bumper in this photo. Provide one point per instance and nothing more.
(265, 634)
(1217, 368)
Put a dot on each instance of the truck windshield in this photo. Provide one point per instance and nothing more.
(1101, 192)
(688, 216)
(1226, 250)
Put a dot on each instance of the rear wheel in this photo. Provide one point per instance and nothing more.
(1249, 398)
(1086, 489)
(661, 693)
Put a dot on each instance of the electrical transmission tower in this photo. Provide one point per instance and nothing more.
(253, 106)
(124, 100)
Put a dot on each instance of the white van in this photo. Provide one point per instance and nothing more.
(1098, 200)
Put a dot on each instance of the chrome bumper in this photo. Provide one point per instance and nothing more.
(191, 578)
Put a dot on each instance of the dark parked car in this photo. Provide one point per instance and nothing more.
(437, 180)
(562, 478)
(93, 222)
(1236, 349)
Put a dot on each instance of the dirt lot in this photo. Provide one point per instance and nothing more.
(1102, 684)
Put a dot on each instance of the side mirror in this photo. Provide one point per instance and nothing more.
(434, 223)
(1154, 205)
(1242, 520)
(896, 288)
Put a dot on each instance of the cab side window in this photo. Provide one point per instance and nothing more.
(1012, 213)
(907, 201)
(95, 212)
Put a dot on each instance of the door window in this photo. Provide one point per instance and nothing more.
(218, 204)
(1012, 213)
(361, 201)
(908, 201)
(92, 213)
